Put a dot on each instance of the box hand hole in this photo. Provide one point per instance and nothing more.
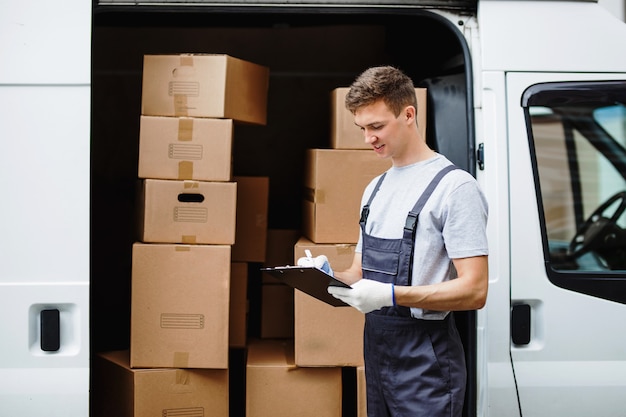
(190, 198)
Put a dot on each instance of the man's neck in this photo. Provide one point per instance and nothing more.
(419, 153)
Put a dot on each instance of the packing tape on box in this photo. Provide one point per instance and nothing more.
(185, 134)
(186, 60)
(187, 185)
(185, 170)
(180, 360)
(181, 248)
(182, 377)
(181, 106)
(183, 383)
(314, 196)
(188, 239)
(185, 129)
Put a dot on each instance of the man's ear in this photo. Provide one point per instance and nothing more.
(410, 113)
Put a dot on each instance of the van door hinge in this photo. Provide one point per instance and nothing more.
(480, 156)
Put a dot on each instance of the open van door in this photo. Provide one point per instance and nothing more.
(567, 156)
(44, 227)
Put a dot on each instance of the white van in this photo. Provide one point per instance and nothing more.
(529, 96)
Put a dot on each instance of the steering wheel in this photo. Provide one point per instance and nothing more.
(598, 232)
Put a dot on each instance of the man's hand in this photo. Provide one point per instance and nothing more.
(320, 262)
(365, 295)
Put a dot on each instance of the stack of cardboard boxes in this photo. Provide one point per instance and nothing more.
(198, 228)
(201, 229)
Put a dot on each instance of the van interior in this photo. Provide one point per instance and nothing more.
(310, 51)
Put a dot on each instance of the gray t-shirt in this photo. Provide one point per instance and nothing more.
(451, 225)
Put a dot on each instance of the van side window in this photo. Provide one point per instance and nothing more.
(577, 134)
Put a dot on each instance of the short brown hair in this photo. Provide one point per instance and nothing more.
(382, 83)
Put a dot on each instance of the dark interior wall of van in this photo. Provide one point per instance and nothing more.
(309, 53)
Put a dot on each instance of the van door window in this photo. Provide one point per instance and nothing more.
(578, 146)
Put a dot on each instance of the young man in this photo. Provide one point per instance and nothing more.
(407, 279)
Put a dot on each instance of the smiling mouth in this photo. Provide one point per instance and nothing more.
(378, 147)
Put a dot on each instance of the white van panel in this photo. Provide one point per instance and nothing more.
(580, 37)
(496, 384)
(44, 392)
(44, 241)
(575, 363)
(44, 183)
(45, 42)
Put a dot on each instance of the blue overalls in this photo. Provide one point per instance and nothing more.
(413, 367)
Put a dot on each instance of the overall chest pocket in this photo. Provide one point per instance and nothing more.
(381, 256)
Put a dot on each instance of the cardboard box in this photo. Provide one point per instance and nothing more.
(334, 184)
(275, 387)
(361, 392)
(238, 319)
(279, 250)
(344, 134)
(276, 311)
(184, 148)
(194, 212)
(218, 86)
(325, 335)
(251, 227)
(180, 306)
(118, 390)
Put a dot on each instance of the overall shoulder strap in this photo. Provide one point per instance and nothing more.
(411, 220)
(366, 208)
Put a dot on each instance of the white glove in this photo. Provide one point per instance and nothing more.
(319, 262)
(365, 295)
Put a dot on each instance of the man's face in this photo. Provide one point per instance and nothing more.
(383, 131)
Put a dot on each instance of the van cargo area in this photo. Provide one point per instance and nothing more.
(310, 51)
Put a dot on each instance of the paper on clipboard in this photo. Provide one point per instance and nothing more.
(310, 280)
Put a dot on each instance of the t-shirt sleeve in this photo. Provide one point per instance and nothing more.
(464, 231)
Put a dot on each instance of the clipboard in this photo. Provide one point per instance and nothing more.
(309, 280)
